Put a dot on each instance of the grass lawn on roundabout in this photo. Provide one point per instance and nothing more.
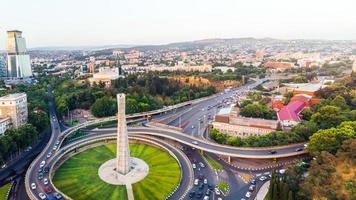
(78, 176)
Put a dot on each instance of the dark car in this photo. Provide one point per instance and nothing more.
(191, 194)
(210, 186)
(48, 190)
(273, 152)
(207, 192)
(201, 177)
(299, 149)
(199, 195)
(201, 186)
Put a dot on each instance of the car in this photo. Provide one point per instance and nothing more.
(54, 148)
(201, 186)
(217, 191)
(299, 149)
(33, 186)
(42, 195)
(206, 198)
(193, 126)
(273, 152)
(282, 171)
(199, 195)
(48, 190)
(248, 194)
(194, 166)
(46, 169)
(210, 186)
(191, 194)
(49, 155)
(208, 192)
(267, 173)
(40, 177)
(57, 142)
(251, 188)
(201, 164)
(57, 195)
(253, 181)
(219, 198)
(195, 142)
(42, 163)
(205, 181)
(201, 177)
(40, 170)
(45, 181)
(263, 178)
(196, 181)
(3, 166)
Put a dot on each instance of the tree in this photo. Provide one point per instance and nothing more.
(39, 120)
(330, 140)
(327, 117)
(340, 102)
(103, 107)
(258, 111)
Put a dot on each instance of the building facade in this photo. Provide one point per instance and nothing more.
(18, 60)
(14, 106)
(3, 69)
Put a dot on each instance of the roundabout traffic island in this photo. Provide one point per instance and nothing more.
(142, 169)
(78, 177)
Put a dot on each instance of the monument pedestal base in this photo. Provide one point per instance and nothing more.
(139, 170)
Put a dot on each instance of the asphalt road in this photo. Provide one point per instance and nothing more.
(208, 146)
(34, 174)
(190, 121)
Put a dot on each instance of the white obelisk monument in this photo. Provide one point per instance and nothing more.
(123, 170)
(123, 161)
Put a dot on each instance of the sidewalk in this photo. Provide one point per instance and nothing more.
(263, 191)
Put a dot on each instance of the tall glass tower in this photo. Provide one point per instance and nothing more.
(18, 60)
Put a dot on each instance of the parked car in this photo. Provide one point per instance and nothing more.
(251, 188)
(194, 166)
(201, 164)
(33, 186)
(195, 142)
(196, 181)
(299, 149)
(45, 181)
(48, 190)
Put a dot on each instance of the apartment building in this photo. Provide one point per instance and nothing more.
(14, 106)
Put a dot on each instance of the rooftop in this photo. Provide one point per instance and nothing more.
(12, 96)
(291, 111)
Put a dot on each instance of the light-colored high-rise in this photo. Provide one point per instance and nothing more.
(18, 60)
(123, 151)
(15, 107)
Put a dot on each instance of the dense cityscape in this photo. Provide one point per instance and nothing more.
(221, 118)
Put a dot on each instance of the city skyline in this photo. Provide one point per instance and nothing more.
(158, 22)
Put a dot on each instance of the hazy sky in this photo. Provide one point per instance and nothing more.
(102, 22)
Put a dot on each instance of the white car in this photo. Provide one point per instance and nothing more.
(45, 181)
(42, 195)
(206, 198)
(33, 186)
(195, 142)
(205, 181)
(196, 181)
(263, 178)
(217, 191)
(49, 154)
(248, 194)
(42, 163)
(201, 164)
(194, 166)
